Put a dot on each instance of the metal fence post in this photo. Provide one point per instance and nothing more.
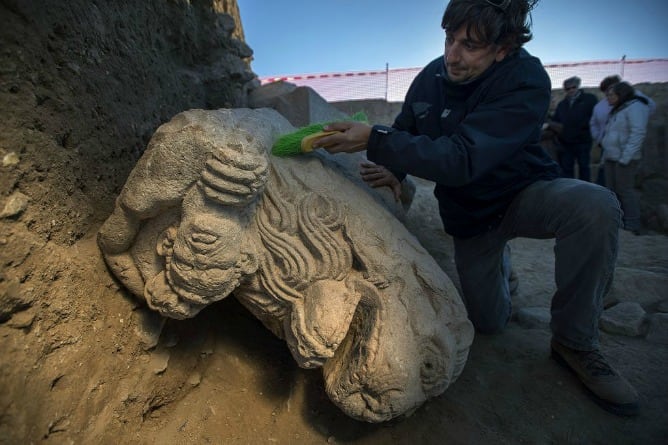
(387, 79)
(622, 65)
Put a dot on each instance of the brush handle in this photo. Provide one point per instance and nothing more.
(310, 140)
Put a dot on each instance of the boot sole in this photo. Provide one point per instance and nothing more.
(625, 410)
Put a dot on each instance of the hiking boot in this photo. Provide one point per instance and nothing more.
(609, 389)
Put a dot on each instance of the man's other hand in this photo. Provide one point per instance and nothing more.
(378, 176)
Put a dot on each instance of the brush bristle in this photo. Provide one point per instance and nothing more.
(291, 144)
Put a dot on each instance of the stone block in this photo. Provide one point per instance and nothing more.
(626, 318)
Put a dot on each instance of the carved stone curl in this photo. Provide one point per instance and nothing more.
(207, 213)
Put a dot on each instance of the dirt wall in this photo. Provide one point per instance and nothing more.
(84, 84)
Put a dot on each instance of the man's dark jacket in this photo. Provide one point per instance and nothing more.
(575, 119)
(478, 141)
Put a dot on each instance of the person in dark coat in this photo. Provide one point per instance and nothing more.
(571, 123)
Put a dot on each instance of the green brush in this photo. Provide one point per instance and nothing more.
(303, 140)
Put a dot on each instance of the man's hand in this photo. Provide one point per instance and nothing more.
(378, 176)
(352, 137)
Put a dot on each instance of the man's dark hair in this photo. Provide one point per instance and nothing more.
(574, 81)
(488, 23)
(608, 82)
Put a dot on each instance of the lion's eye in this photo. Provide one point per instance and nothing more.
(204, 238)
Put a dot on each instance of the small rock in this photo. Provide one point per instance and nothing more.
(15, 205)
(658, 329)
(21, 320)
(10, 158)
(159, 361)
(626, 318)
(194, 379)
(149, 327)
(76, 69)
(12, 299)
(534, 317)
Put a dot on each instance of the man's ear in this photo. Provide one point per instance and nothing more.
(502, 52)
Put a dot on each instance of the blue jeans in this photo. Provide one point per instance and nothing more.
(580, 153)
(584, 219)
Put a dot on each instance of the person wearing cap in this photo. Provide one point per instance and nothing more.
(471, 123)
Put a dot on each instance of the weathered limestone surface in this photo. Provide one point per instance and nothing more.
(207, 213)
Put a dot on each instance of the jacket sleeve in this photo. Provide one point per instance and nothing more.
(500, 125)
(597, 124)
(637, 117)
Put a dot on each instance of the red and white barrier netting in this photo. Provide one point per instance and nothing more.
(392, 84)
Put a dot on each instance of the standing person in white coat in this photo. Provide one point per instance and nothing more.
(623, 138)
(599, 119)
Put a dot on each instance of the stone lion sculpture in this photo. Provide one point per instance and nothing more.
(207, 213)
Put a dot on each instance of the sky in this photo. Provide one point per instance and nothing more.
(291, 37)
